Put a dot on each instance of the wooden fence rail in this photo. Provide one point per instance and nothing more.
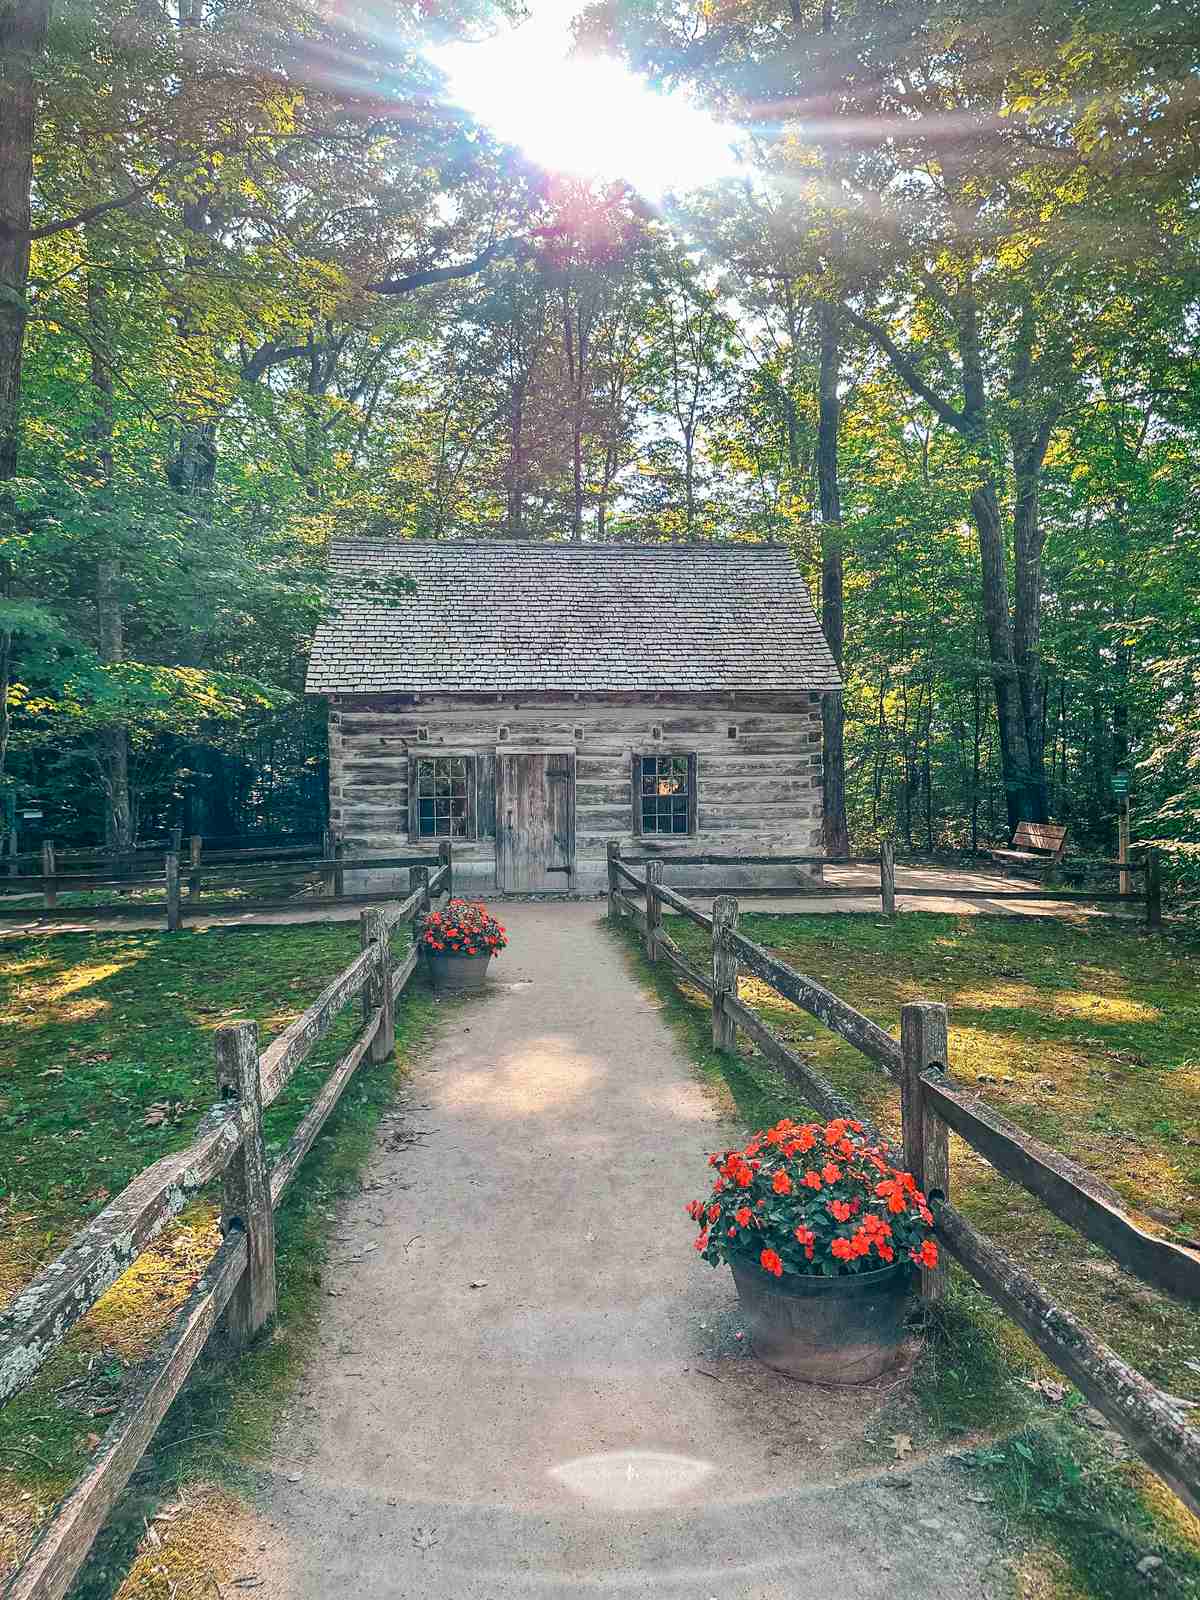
(620, 872)
(238, 1286)
(199, 877)
(931, 1105)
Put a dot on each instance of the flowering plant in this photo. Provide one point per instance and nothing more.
(463, 928)
(812, 1199)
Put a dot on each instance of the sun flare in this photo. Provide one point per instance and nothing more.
(589, 117)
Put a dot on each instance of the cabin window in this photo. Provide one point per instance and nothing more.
(444, 789)
(665, 794)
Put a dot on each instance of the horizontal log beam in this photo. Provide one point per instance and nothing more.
(671, 897)
(1074, 1195)
(635, 913)
(811, 996)
(403, 910)
(670, 860)
(284, 1054)
(666, 947)
(63, 1291)
(817, 1090)
(405, 969)
(1138, 1410)
(950, 892)
(288, 1165)
(63, 1544)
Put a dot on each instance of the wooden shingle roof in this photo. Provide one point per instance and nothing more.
(522, 615)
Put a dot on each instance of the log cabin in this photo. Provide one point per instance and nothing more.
(530, 701)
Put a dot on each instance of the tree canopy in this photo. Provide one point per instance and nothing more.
(263, 283)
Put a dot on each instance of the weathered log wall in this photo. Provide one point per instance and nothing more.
(758, 769)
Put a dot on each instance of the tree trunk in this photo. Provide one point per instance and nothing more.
(1027, 608)
(113, 752)
(833, 619)
(1010, 720)
(23, 25)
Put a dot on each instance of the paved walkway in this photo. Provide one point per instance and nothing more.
(527, 1383)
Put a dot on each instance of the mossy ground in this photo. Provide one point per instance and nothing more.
(95, 1031)
(1088, 1035)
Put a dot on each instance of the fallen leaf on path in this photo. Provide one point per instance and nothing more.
(478, 1283)
(902, 1445)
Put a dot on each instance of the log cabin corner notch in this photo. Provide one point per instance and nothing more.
(530, 701)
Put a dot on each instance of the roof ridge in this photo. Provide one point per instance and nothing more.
(584, 546)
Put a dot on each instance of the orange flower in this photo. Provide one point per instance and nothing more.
(770, 1262)
(842, 1249)
(742, 1216)
(892, 1191)
(713, 1213)
(841, 1211)
(830, 1173)
(813, 1180)
(927, 1255)
(702, 1241)
(781, 1183)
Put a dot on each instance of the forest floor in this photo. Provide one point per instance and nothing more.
(1088, 1036)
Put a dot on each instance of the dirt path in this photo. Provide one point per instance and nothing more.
(526, 1381)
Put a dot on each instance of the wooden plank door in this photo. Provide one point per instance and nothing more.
(535, 822)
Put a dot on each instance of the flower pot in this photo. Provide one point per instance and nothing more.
(825, 1330)
(458, 972)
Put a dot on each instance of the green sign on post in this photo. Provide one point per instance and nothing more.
(1120, 783)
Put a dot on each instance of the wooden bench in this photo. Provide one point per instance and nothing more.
(1039, 843)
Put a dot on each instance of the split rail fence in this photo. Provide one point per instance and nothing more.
(237, 1288)
(931, 1105)
(207, 883)
(890, 890)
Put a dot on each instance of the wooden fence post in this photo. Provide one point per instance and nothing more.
(724, 972)
(339, 877)
(373, 934)
(171, 870)
(446, 857)
(887, 876)
(654, 872)
(247, 1194)
(614, 883)
(195, 846)
(1153, 889)
(327, 853)
(923, 1044)
(48, 872)
(418, 878)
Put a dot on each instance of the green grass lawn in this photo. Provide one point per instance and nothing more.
(1087, 1034)
(106, 1063)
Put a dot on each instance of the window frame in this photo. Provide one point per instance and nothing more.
(471, 759)
(639, 828)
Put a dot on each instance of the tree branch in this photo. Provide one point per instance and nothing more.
(432, 275)
(907, 369)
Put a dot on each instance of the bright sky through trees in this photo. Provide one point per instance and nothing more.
(587, 116)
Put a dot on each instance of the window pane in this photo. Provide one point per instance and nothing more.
(666, 794)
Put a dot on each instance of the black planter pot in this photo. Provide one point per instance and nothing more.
(458, 972)
(825, 1330)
